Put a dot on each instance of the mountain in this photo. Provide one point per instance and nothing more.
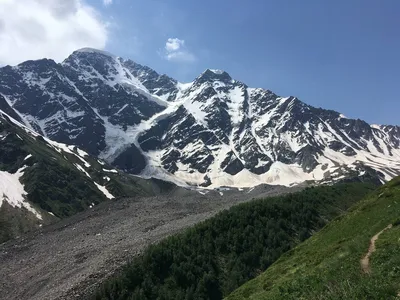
(212, 132)
(42, 181)
(353, 257)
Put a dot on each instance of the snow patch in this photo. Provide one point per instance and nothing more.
(59, 147)
(217, 71)
(235, 105)
(110, 171)
(81, 153)
(13, 192)
(82, 170)
(184, 86)
(104, 190)
(121, 109)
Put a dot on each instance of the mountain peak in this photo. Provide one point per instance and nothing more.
(214, 75)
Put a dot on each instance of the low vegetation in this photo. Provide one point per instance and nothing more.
(215, 257)
(328, 265)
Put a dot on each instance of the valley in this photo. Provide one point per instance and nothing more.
(69, 259)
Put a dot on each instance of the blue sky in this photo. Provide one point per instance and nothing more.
(342, 55)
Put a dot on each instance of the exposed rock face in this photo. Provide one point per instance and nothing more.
(214, 131)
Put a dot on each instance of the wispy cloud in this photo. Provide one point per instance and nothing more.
(107, 2)
(176, 51)
(52, 29)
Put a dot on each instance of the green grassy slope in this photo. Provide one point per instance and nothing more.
(327, 266)
(214, 257)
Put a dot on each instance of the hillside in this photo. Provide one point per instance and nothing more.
(216, 256)
(354, 257)
(42, 181)
(214, 131)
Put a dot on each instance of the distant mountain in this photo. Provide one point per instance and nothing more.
(42, 181)
(215, 131)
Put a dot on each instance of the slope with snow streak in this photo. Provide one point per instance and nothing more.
(12, 191)
(11, 187)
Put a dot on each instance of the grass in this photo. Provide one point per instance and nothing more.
(213, 258)
(327, 266)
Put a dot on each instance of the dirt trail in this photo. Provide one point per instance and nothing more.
(365, 260)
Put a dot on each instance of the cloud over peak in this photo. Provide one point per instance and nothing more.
(34, 29)
(176, 51)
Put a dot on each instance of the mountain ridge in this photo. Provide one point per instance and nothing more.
(215, 131)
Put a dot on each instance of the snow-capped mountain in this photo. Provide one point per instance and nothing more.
(215, 131)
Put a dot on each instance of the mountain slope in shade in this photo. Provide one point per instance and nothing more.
(42, 181)
(215, 131)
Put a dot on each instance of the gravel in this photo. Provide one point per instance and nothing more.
(69, 259)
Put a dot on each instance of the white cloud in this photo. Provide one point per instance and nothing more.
(107, 2)
(34, 29)
(181, 56)
(174, 44)
(175, 50)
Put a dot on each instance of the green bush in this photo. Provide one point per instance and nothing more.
(213, 258)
